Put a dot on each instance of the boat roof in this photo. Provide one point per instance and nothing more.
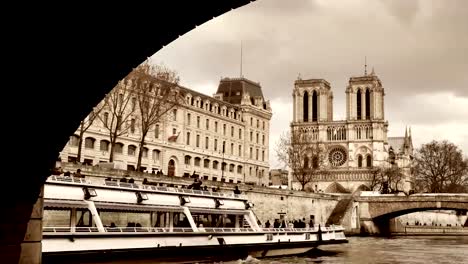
(69, 192)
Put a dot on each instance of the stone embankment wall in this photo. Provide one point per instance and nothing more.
(270, 204)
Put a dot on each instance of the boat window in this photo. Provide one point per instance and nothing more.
(112, 218)
(217, 220)
(84, 218)
(181, 220)
(56, 218)
(160, 219)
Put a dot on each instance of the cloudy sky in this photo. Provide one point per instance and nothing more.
(419, 50)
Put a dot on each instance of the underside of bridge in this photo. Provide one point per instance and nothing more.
(381, 224)
(64, 59)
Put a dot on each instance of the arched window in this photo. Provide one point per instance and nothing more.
(306, 106)
(131, 150)
(197, 161)
(206, 163)
(74, 140)
(231, 167)
(171, 168)
(358, 104)
(89, 142)
(215, 165)
(391, 156)
(104, 145)
(187, 160)
(239, 169)
(369, 161)
(156, 131)
(134, 103)
(367, 104)
(359, 161)
(106, 119)
(315, 162)
(314, 107)
(118, 148)
(156, 153)
(306, 162)
(132, 125)
(145, 152)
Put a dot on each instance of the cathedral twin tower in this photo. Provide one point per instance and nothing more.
(356, 145)
(313, 99)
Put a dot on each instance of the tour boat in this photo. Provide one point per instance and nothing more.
(85, 220)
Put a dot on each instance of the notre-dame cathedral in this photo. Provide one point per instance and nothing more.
(357, 145)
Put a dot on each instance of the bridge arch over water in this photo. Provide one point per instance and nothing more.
(375, 212)
(75, 62)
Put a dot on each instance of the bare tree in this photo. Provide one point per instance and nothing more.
(118, 112)
(387, 180)
(304, 156)
(157, 92)
(85, 124)
(440, 167)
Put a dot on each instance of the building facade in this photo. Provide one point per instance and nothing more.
(221, 138)
(279, 177)
(356, 145)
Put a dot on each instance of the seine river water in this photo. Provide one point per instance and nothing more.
(417, 249)
(363, 250)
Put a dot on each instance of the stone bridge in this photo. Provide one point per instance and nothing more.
(372, 214)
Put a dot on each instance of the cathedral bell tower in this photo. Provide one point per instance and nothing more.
(365, 98)
(312, 101)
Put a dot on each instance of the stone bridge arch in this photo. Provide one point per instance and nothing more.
(82, 62)
(376, 212)
(388, 210)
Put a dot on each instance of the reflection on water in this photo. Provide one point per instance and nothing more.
(361, 250)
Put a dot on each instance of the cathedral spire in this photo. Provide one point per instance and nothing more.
(406, 132)
(373, 72)
(365, 65)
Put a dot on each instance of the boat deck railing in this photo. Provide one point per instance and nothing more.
(185, 230)
(148, 187)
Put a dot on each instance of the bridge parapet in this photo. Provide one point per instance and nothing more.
(414, 198)
(373, 207)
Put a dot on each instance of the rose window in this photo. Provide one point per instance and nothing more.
(337, 156)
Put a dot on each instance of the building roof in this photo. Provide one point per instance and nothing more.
(365, 79)
(310, 82)
(396, 143)
(233, 89)
(207, 97)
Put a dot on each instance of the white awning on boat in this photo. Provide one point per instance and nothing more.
(64, 204)
(218, 211)
(136, 207)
